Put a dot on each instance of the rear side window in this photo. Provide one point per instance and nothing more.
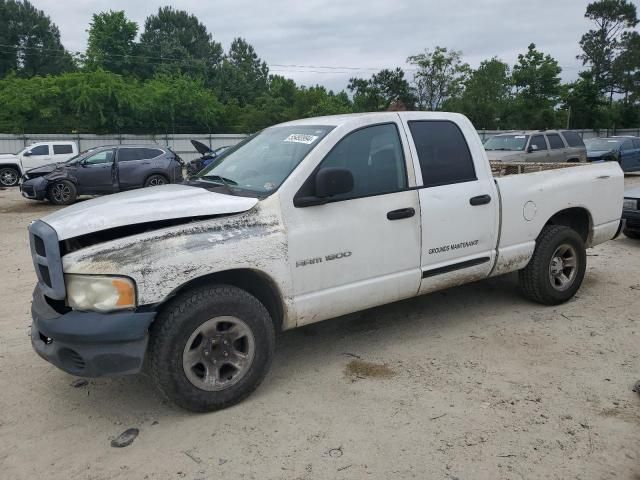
(538, 141)
(555, 142)
(40, 150)
(443, 153)
(62, 149)
(573, 139)
(151, 152)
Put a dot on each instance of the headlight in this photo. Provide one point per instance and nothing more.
(100, 293)
(630, 204)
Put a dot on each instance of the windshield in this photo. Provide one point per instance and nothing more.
(262, 162)
(506, 142)
(80, 156)
(594, 144)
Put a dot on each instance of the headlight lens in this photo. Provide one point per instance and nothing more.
(630, 204)
(100, 293)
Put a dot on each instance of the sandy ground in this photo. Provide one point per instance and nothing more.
(470, 383)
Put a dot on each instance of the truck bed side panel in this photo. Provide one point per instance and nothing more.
(528, 201)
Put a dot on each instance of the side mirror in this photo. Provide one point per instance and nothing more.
(328, 182)
(532, 148)
(27, 153)
(333, 181)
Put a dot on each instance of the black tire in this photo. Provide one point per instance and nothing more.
(9, 177)
(631, 234)
(174, 328)
(537, 282)
(62, 192)
(155, 180)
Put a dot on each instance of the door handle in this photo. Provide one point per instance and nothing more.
(480, 200)
(401, 213)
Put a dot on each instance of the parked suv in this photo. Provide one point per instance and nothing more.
(537, 146)
(101, 171)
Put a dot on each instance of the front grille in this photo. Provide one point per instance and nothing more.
(45, 252)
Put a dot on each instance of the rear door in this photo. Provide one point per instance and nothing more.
(557, 149)
(458, 201)
(95, 174)
(135, 164)
(629, 156)
(36, 157)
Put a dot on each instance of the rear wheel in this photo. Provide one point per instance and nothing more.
(9, 176)
(62, 192)
(556, 270)
(211, 347)
(155, 180)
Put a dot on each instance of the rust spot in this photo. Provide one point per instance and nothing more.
(358, 369)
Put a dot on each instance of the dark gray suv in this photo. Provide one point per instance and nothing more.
(102, 170)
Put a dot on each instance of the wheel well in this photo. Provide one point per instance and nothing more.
(576, 218)
(256, 283)
(10, 165)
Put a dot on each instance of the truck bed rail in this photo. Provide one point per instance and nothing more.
(502, 169)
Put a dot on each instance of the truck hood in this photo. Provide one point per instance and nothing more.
(8, 156)
(504, 155)
(146, 205)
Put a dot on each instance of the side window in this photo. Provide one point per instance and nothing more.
(128, 154)
(636, 143)
(105, 156)
(150, 152)
(555, 142)
(40, 150)
(443, 153)
(62, 149)
(573, 139)
(374, 156)
(627, 145)
(538, 140)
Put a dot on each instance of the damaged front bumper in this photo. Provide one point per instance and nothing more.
(89, 344)
(34, 189)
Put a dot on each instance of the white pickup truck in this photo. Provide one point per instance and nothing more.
(302, 222)
(13, 166)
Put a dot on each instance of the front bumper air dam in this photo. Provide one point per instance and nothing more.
(90, 344)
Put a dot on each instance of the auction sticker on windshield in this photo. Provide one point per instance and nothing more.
(301, 138)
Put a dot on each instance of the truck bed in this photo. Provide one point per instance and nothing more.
(502, 169)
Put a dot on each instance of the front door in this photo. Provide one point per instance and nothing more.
(95, 173)
(36, 157)
(538, 151)
(458, 201)
(362, 248)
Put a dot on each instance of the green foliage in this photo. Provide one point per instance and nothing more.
(111, 43)
(100, 101)
(174, 42)
(487, 95)
(536, 78)
(30, 42)
(441, 75)
(383, 89)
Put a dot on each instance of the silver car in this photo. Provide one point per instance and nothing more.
(537, 146)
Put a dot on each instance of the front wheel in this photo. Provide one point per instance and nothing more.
(556, 270)
(211, 347)
(62, 192)
(9, 176)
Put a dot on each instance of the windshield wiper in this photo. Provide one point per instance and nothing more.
(227, 182)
